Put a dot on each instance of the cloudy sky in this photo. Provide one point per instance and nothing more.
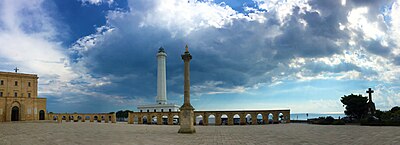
(100, 55)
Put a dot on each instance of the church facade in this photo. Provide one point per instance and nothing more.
(19, 98)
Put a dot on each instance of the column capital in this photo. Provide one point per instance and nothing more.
(186, 56)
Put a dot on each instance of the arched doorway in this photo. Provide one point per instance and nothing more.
(15, 113)
(41, 115)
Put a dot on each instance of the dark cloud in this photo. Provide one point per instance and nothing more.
(377, 48)
(316, 38)
(242, 53)
(320, 67)
(397, 60)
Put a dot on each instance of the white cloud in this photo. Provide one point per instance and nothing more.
(28, 41)
(386, 96)
(283, 8)
(181, 17)
(29, 44)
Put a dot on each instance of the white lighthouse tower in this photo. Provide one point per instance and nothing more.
(161, 98)
(161, 77)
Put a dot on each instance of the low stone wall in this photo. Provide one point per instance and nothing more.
(76, 117)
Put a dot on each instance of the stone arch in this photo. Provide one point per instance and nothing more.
(260, 118)
(136, 119)
(211, 119)
(175, 119)
(87, 117)
(145, 119)
(224, 119)
(55, 117)
(249, 119)
(164, 119)
(96, 117)
(79, 117)
(281, 117)
(236, 119)
(154, 119)
(199, 120)
(270, 118)
(15, 103)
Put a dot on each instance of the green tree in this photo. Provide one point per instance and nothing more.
(356, 106)
(123, 114)
(395, 109)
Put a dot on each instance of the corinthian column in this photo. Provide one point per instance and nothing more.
(186, 114)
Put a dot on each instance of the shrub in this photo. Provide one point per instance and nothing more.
(338, 122)
(327, 121)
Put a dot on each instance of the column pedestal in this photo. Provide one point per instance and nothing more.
(186, 119)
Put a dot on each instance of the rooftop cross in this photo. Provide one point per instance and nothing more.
(16, 69)
(370, 91)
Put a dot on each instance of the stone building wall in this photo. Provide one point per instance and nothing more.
(20, 91)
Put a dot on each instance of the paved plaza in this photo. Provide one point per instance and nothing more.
(123, 133)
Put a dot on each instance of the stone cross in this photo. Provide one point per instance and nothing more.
(16, 69)
(370, 91)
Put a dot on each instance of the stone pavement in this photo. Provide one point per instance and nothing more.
(123, 133)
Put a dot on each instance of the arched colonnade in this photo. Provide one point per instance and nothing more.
(249, 117)
(83, 117)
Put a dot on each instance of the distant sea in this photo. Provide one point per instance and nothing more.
(303, 116)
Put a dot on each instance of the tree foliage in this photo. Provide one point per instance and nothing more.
(356, 106)
(395, 109)
(391, 115)
(391, 118)
(122, 114)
